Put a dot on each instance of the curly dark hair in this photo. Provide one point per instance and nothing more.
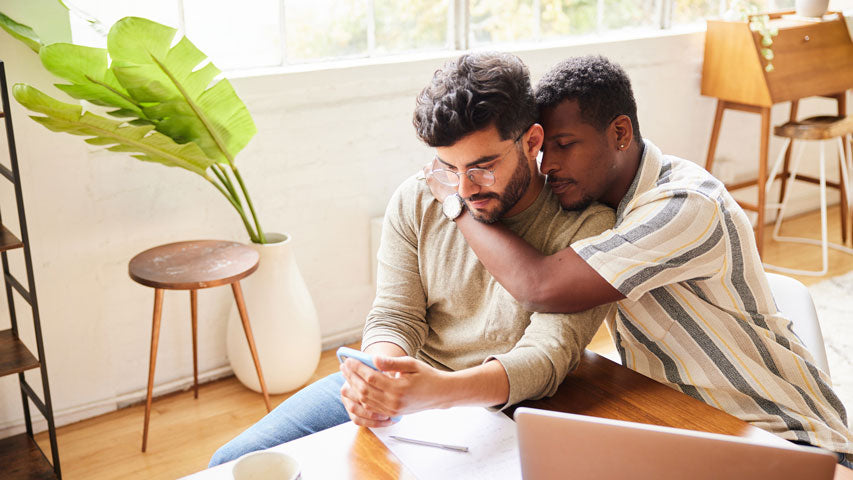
(601, 88)
(473, 92)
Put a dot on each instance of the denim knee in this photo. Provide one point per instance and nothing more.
(312, 409)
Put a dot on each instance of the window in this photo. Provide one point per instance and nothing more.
(264, 33)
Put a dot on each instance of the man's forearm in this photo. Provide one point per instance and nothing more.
(514, 263)
(562, 282)
(503, 252)
(385, 348)
(485, 385)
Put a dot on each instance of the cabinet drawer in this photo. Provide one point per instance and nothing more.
(815, 59)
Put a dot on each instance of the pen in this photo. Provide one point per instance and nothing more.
(455, 448)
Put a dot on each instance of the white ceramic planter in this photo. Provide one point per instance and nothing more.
(284, 322)
(811, 8)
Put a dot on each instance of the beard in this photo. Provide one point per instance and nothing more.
(515, 189)
(585, 201)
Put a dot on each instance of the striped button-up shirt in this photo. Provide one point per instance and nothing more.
(699, 315)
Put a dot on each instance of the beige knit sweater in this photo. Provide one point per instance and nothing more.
(435, 300)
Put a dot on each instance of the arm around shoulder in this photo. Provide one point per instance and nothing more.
(564, 282)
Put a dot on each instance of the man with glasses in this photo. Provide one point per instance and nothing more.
(442, 331)
(693, 309)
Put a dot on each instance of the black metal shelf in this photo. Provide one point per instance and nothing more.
(22, 459)
(15, 357)
(20, 455)
(8, 240)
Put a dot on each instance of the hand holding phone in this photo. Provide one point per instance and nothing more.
(345, 352)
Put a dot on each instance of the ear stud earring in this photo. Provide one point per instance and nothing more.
(621, 146)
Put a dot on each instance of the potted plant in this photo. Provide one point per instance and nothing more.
(741, 11)
(165, 103)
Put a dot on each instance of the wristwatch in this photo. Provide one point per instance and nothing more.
(453, 206)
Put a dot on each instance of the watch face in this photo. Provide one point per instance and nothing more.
(452, 206)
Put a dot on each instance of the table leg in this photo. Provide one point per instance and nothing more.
(155, 339)
(194, 314)
(715, 135)
(762, 176)
(241, 307)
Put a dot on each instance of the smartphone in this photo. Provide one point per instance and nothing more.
(365, 358)
(344, 353)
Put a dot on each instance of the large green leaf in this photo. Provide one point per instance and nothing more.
(149, 144)
(21, 32)
(179, 90)
(87, 69)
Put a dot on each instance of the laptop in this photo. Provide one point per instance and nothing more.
(555, 445)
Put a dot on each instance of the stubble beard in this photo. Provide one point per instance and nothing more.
(515, 189)
(585, 201)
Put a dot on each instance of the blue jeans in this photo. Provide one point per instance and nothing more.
(312, 409)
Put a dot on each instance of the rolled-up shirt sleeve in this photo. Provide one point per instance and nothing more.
(550, 348)
(669, 239)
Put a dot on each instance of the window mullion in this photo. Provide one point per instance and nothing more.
(282, 31)
(666, 14)
(182, 24)
(371, 28)
(459, 18)
(537, 19)
(599, 16)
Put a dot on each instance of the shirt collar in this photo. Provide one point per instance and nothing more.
(646, 178)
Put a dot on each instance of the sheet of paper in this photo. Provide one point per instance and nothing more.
(490, 437)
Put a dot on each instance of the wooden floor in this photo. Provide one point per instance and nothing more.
(185, 432)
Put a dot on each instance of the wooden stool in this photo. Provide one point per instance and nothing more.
(821, 128)
(191, 266)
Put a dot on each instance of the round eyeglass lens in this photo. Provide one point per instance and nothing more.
(446, 177)
(481, 176)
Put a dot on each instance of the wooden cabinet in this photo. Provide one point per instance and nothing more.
(811, 58)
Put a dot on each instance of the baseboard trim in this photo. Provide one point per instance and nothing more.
(335, 340)
(77, 413)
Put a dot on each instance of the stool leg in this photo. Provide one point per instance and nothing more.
(792, 175)
(241, 307)
(783, 156)
(155, 339)
(792, 117)
(823, 233)
(194, 314)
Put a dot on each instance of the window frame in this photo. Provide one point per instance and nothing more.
(458, 36)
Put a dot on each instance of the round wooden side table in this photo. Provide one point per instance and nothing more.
(192, 266)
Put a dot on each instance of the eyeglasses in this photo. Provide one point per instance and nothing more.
(478, 176)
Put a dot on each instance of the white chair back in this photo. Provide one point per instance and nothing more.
(795, 302)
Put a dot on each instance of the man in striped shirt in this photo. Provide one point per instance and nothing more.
(694, 310)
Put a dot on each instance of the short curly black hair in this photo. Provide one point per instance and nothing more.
(601, 88)
(473, 92)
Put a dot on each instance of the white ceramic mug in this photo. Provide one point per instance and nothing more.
(811, 8)
(266, 465)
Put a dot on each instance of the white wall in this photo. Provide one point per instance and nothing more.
(332, 145)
